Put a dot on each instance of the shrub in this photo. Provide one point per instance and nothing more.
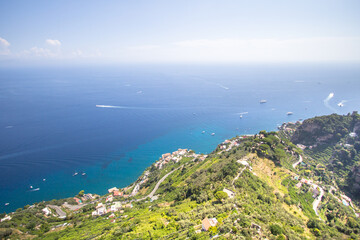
(281, 237)
(276, 229)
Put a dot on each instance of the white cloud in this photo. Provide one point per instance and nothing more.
(4, 47)
(249, 50)
(53, 42)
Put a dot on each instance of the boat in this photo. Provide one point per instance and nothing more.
(289, 113)
(83, 174)
(44, 179)
(263, 101)
(75, 174)
(31, 187)
(7, 204)
(203, 132)
(212, 134)
(241, 116)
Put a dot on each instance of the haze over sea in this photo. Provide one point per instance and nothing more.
(50, 126)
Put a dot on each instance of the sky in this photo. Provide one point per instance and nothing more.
(199, 31)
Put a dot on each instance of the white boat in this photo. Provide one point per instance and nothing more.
(263, 101)
(240, 115)
(7, 204)
(83, 174)
(75, 174)
(203, 132)
(289, 113)
(212, 134)
(31, 187)
(44, 179)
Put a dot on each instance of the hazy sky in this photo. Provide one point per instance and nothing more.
(179, 31)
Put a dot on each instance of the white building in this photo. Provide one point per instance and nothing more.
(46, 211)
(115, 207)
(230, 193)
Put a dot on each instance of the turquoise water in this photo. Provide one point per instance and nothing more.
(50, 126)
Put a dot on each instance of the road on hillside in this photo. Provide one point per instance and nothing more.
(58, 210)
(237, 177)
(160, 181)
(158, 185)
(318, 199)
(300, 160)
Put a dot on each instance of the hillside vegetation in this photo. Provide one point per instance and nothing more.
(248, 183)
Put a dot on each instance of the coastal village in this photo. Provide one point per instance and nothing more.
(115, 205)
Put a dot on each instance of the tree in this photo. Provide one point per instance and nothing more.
(213, 231)
(275, 229)
(281, 237)
(81, 193)
(220, 195)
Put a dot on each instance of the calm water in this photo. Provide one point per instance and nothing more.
(50, 126)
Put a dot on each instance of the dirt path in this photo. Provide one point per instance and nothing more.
(236, 178)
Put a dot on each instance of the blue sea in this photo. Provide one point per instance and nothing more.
(51, 126)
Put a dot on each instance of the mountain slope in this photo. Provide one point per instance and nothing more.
(247, 183)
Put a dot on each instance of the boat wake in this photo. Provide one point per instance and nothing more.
(222, 86)
(326, 102)
(109, 106)
(34, 190)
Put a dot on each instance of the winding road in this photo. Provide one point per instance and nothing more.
(297, 163)
(58, 210)
(158, 185)
(318, 199)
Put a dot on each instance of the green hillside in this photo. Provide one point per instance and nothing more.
(253, 186)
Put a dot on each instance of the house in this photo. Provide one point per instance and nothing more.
(230, 193)
(207, 223)
(46, 211)
(99, 205)
(100, 211)
(352, 134)
(117, 193)
(315, 192)
(113, 189)
(109, 198)
(112, 215)
(7, 217)
(77, 200)
(298, 185)
(166, 155)
(115, 207)
(87, 196)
